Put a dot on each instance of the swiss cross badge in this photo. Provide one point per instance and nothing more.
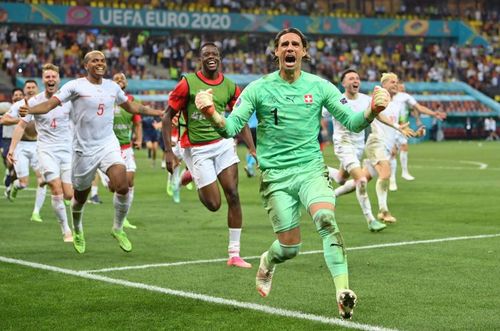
(308, 98)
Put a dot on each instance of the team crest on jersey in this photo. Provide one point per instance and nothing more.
(308, 98)
(343, 101)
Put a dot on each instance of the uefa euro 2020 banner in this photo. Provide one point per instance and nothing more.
(174, 20)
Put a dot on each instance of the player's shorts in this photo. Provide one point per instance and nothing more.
(285, 190)
(377, 150)
(129, 159)
(55, 164)
(207, 162)
(401, 140)
(25, 156)
(349, 155)
(150, 135)
(178, 151)
(85, 166)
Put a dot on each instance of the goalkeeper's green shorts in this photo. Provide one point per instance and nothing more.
(285, 190)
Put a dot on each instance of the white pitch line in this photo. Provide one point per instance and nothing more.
(201, 297)
(481, 165)
(403, 243)
(24, 189)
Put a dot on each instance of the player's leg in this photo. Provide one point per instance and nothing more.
(94, 190)
(21, 168)
(116, 172)
(403, 158)
(226, 167)
(284, 213)
(129, 159)
(316, 193)
(41, 193)
(383, 169)
(361, 182)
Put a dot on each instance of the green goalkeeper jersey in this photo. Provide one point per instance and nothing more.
(289, 117)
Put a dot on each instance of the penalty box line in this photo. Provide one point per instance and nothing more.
(199, 297)
(396, 244)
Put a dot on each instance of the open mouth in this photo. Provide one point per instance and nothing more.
(355, 86)
(290, 60)
(212, 64)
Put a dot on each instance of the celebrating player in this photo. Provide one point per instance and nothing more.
(208, 156)
(95, 144)
(288, 103)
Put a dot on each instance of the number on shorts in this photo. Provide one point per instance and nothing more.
(100, 109)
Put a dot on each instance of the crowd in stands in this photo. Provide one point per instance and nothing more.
(24, 50)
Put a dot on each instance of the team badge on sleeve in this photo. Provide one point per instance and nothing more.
(343, 101)
(238, 102)
(308, 98)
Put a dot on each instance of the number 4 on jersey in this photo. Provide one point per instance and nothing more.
(53, 123)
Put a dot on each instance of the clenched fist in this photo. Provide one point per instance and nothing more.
(204, 102)
(380, 99)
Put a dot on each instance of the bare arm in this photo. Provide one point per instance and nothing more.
(41, 108)
(16, 136)
(424, 110)
(9, 120)
(166, 131)
(138, 134)
(403, 128)
(136, 108)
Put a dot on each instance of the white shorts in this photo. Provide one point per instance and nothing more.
(349, 155)
(376, 150)
(400, 140)
(207, 162)
(129, 159)
(178, 151)
(85, 166)
(25, 156)
(55, 164)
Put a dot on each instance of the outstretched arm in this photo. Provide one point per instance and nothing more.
(403, 127)
(41, 108)
(137, 108)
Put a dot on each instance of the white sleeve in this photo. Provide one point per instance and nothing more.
(325, 113)
(14, 109)
(67, 92)
(410, 101)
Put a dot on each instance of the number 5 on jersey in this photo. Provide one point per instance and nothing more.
(100, 109)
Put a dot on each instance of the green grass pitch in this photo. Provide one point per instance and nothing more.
(437, 268)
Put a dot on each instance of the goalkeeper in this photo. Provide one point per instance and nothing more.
(288, 103)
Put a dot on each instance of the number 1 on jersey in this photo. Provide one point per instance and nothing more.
(275, 112)
(100, 109)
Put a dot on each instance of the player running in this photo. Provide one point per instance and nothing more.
(288, 103)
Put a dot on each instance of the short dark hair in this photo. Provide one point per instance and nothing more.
(14, 90)
(208, 43)
(26, 82)
(299, 33)
(347, 71)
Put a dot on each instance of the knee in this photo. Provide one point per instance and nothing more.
(212, 205)
(122, 189)
(361, 185)
(324, 219)
(232, 196)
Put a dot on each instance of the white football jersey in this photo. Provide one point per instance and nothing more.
(385, 132)
(341, 135)
(92, 112)
(14, 109)
(408, 101)
(54, 127)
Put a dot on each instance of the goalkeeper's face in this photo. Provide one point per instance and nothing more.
(210, 58)
(290, 52)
